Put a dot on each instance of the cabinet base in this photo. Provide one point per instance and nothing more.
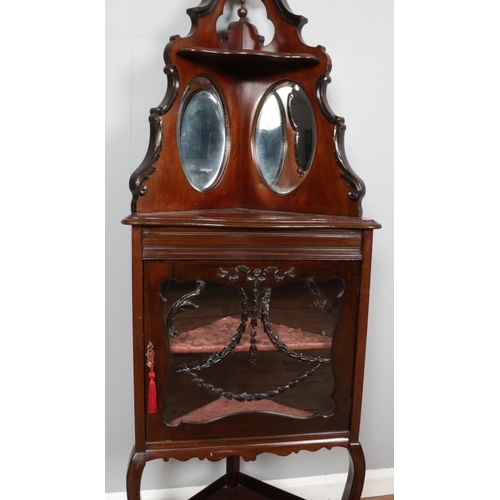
(246, 488)
(236, 485)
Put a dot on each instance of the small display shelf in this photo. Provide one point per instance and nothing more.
(248, 59)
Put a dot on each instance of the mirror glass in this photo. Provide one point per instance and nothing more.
(202, 134)
(285, 137)
(270, 139)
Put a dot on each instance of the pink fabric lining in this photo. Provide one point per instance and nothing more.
(215, 336)
(223, 407)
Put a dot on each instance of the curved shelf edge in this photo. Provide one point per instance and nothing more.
(246, 218)
(241, 58)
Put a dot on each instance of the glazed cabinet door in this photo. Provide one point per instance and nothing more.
(250, 348)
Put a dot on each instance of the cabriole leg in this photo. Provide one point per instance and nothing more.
(356, 475)
(134, 475)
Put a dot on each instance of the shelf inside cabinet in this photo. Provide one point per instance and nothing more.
(215, 336)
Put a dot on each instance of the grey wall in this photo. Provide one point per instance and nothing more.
(358, 35)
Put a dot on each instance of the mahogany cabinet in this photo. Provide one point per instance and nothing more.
(251, 259)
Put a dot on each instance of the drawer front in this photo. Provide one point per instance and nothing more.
(188, 244)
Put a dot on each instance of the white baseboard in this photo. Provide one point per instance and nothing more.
(328, 487)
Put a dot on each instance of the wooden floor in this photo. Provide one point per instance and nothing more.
(385, 497)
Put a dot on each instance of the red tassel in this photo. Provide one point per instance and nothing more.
(152, 407)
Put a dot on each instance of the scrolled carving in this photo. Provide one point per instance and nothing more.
(352, 180)
(350, 177)
(205, 7)
(172, 89)
(146, 168)
(260, 306)
(179, 306)
(286, 13)
(256, 275)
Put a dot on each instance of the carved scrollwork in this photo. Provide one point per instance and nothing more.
(256, 275)
(260, 309)
(146, 168)
(352, 180)
(258, 299)
(179, 306)
(172, 89)
(202, 10)
(286, 13)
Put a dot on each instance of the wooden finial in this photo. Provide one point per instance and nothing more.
(242, 12)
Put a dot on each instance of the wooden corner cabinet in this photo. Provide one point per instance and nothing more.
(250, 259)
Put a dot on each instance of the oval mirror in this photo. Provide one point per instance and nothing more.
(270, 139)
(202, 134)
(285, 137)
